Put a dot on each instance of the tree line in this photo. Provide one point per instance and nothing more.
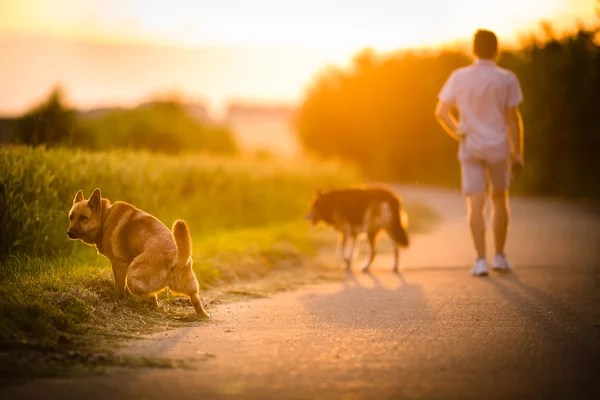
(379, 114)
(164, 125)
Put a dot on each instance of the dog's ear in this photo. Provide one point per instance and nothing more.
(78, 197)
(95, 200)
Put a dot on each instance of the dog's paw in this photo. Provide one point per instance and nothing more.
(395, 270)
(204, 315)
(366, 269)
(151, 302)
(347, 265)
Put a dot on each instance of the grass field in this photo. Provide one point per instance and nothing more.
(245, 216)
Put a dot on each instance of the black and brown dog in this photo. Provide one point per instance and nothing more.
(366, 209)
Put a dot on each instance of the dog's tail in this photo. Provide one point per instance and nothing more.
(183, 241)
(399, 226)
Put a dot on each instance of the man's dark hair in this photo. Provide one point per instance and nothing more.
(485, 44)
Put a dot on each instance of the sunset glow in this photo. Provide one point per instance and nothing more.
(261, 50)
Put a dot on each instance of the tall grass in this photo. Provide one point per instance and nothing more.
(211, 193)
(245, 217)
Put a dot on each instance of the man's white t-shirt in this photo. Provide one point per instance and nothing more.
(482, 92)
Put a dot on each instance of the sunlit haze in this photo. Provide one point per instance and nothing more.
(115, 52)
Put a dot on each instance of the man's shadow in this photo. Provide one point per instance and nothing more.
(562, 324)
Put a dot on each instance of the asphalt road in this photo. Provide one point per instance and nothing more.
(432, 332)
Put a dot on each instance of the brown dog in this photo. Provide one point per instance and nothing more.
(145, 255)
(362, 209)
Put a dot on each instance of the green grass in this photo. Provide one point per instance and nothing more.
(249, 240)
(63, 300)
(59, 315)
(211, 193)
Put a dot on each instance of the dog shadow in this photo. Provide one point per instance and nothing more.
(376, 299)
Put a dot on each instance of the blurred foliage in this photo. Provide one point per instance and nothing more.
(211, 193)
(379, 113)
(161, 126)
(49, 123)
(164, 126)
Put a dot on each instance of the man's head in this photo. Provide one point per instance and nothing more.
(485, 45)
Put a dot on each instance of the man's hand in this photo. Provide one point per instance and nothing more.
(460, 133)
(446, 120)
(514, 123)
(517, 164)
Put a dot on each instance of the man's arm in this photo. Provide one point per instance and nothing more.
(447, 120)
(514, 124)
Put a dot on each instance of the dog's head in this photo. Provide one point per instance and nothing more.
(85, 217)
(316, 212)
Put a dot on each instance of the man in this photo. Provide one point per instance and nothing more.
(490, 133)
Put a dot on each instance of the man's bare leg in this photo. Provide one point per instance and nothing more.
(500, 218)
(476, 220)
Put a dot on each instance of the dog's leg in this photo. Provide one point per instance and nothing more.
(184, 281)
(396, 251)
(396, 258)
(342, 239)
(120, 274)
(371, 236)
(351, 252)
(144, 279)
(195, 300)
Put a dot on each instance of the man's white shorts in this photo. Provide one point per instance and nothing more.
(476, 174)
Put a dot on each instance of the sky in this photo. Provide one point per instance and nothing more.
(119, 52)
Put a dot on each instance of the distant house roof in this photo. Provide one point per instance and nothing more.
(98, 112)
(237, 110)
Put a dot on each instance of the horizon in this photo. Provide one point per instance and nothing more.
(120, 54)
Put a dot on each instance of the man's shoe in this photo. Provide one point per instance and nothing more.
(501, 263)
(481, 267)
